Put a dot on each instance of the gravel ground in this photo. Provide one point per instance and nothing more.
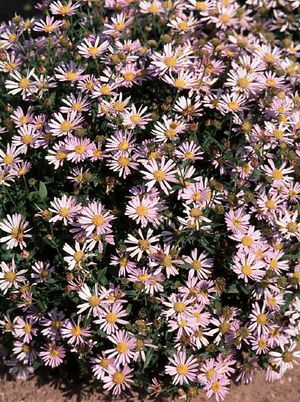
(41, 389)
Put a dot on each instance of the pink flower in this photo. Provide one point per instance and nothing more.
(65, 209)
(162, 174)
(52, 355)
(183, 369)
(118, 379)
(124, 344)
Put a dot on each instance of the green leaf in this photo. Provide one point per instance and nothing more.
(42, 190)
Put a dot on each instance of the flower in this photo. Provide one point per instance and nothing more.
(110, 316)
(92, 49)
(77, 257)
(74, 332)
(94, 217)
(22, 83)
(9, 277)
(53, 355)
(162, 174)
(65, 209)
(118, 379)
(183, 369)
(124, 344)
(141, 245)
(93, 300)
(16, 226)
(285, 359)
(143, 210)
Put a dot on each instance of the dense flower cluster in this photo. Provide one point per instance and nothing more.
(150, 192)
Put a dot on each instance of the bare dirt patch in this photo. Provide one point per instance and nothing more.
(49, 390)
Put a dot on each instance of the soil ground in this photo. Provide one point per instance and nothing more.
(45, 390)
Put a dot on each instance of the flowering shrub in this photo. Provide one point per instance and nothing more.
(150, 192)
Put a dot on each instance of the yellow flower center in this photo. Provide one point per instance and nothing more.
(60, 155)
(182, 369)
(153, 9)
(129, 76)
(104, 363)
(93, 51)
(27, 328)
(201, 6)
(144, 245)
(105, 90)
(10, 276)
(179, 307)
(97, 153)
(122, 347)
(292, 227)
(189, 155)
(170, 61)
(272, 301)
(17, 234)
(64, 212)
(12, 37)
(296, 275)
(27, 138)
(247, 270)
(277, 174)
(80, 149)
(143, 277)
(71, 75)
(287, 357)
(270, 204)
(64, 9)
(183, 26)
(111, 318)
(26, 348)
(269, 58)
(210, 373)
(170, 133)
(159, 175)
(271, 82)
(24, 83)
(278, 134)
(48, 27)
(123, 261)
(243, 82)
(10, 66)
(119, 26)
(119, 106)
(225, 18)
(273, 264)
(167, 261)
(98, 220)
(141, 210)
(118, 378)
(66, 126)
(247, 241)
(77, 106)
(76, 331)
(78, 255)
(56, 324)
(233, 105)
(262, 319)
(196, 265)
(123, 161)
(196, 213)
(180, 83)
(8, 159)
(23, 120)
(94, 301)
(123, 145)
(135, 118)
(216, 386)
(54, 352)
